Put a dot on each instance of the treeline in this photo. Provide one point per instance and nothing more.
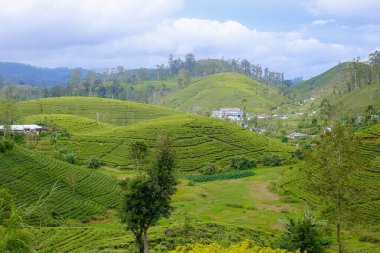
(364, 72)
(121, 83)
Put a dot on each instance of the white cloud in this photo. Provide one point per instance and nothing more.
(106, 33)
(346, 8)
(46, 23)
(323, 21)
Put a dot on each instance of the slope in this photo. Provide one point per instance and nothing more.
(323, 84)
(79, 194)
(224, 90)
(369, 154)
(110, 111)
(198, 140)
(357, 101)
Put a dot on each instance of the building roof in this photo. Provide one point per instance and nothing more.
(23, 127)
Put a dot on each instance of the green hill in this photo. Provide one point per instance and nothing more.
(80, 193)
(224, 90)
(323, 84)
(115, 112)
(198, 140)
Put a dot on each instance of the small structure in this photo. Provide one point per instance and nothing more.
(25, 129)
(228, 113)
(297, 135)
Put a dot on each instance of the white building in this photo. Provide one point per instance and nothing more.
(228, 113)
(24, 128)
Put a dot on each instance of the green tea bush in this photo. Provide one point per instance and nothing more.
(209, 169)
(271, 160)
(70, 158)
(93, 162)
(242, 162)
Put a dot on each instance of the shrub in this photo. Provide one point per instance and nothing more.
(305, 233)
(220, 176)
(70, 158)
(242, 162)
(93, 162)
(6, 145)
(209, 169)
(63, 150)
(271, 160)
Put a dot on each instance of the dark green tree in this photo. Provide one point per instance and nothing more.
(332, 174)
(147, 197)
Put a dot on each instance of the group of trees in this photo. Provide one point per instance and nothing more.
(364, 72)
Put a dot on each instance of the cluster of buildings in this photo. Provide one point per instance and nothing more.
(233, 114)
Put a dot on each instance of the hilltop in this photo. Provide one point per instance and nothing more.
(110, 111)
(224, 90)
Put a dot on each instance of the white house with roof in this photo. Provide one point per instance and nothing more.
(24, 128)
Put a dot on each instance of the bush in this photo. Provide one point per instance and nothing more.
(242, 162)
(220, 176)
(209, 169)
(63, 150)
(271, 160)
(93, 162)
(305, 233)
(6, 145)
(70, 158)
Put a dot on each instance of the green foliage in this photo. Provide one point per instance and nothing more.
(209, 169)
(234, 174)
(242, 162)
(5, 145)
(70, 158)
(304, 233)
(13, 236)
(335, 181)
(28, 176)
(93, 163)
(272, 160)
(148, 198)
(139, 152)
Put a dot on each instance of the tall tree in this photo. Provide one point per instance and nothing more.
(8, 114)
(147, 198)
(332, 174)
(189, 63)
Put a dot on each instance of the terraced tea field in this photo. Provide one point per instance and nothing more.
(80, 193)
(198, 140)
(115, 112)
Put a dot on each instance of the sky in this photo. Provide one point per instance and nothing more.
(296, 37)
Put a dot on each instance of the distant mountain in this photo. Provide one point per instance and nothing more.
(224, 90)
(17, 73)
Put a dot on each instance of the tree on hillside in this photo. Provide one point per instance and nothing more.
(8, 114)
(74, 82)
(332, 174)
(139, 153)
(190, 63)
(374, 62)
(147, 197)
